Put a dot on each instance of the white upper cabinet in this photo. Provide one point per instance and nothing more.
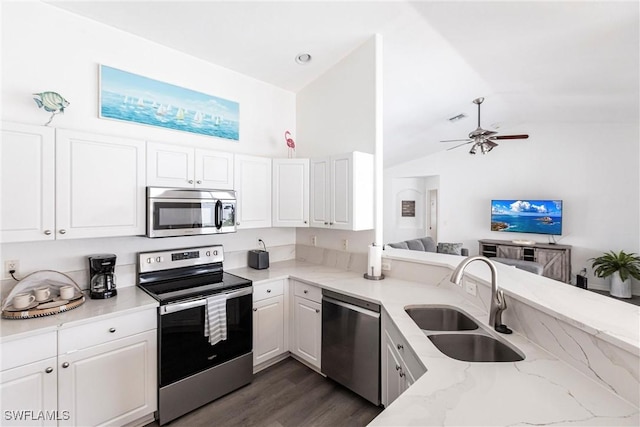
(27, 178)
(100, 185)
(253, 187)
(290, 193)
(180, 166)
(341, 195)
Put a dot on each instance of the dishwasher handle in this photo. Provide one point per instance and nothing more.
(350, 307)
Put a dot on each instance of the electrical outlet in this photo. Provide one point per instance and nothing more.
(386, 265)
(345, 244)
(314, 240)
(470, 287)
(11, 264)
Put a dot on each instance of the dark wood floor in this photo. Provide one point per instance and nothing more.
(287, 394)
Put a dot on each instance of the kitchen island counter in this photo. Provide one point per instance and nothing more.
(541, 390)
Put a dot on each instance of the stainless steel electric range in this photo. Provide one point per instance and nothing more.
(191, 287)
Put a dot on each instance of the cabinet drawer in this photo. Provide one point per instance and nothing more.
(414, 366)
(27, 350)
(103, 331)
(268, 290)
(310, 292)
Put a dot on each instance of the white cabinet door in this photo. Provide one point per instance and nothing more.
(100, 185)
(213, 169)
(340, 216)
(109, 384)
(268, 329)
(341, 195)
(28, 395)
(307, 330)
(392, 383)
(27, 179)
(170, 165)
(290, 192)
(253, 187)
(320, 171)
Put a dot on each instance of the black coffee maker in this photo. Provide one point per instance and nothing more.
(102, 276)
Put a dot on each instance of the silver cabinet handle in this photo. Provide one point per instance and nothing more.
(190, 181)
(397, 367)
(305, 221)
(400, 347)
(330, 223)
(317, 310)
(401, 374)
(47, 232)
(237, 223)
(112, 330)
(255, 309)
(63, 231)
(326, 223)
(65, 365)
(306, 291)
(198, 182)
(49, 370)
(268, 291)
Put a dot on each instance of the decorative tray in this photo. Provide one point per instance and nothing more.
(54, 280)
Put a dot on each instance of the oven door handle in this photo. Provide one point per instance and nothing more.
(173, 308)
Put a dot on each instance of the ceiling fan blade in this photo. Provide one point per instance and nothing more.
(509, 137)
(456, 140)
(459, 145)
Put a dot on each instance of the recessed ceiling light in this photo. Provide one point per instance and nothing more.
(303, 58)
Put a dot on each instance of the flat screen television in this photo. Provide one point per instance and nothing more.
(527, 216)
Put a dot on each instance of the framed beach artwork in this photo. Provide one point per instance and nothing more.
(132, 98)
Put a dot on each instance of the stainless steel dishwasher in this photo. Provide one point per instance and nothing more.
(351, 343)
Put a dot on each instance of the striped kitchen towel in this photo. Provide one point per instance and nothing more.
(215, 321)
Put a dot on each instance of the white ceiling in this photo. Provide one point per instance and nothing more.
(547, 62)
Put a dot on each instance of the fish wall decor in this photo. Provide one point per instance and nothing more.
(52, 102)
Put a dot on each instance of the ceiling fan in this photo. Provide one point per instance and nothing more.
(482, 138)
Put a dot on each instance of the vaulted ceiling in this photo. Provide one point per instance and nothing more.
(547, 62)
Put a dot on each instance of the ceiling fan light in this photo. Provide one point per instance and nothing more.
(473, 149)
(483, 148)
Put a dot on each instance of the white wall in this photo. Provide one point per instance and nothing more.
(593, 168)
(46, 49)
(336, 113)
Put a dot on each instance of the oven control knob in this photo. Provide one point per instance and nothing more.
(208, 253)
(215, 253)
(149, 260)
(159, 259)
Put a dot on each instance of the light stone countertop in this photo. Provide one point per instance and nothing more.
(129, 299)
(540, 390)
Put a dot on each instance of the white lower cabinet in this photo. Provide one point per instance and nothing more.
(268, 321)
(99, 373)
(109, 384)
(307, 322)
(29, 394)
(400, 366)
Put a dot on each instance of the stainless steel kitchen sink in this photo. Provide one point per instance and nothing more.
(441, 319)
(474, 348)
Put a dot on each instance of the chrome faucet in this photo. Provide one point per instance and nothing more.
(498, 303)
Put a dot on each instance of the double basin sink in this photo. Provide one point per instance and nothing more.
(460, 344)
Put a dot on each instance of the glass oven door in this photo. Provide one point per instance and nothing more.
(183, 348)
(182, 217)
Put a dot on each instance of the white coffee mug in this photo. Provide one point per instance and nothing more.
(66, 292)
(23, 300)
(42, 294)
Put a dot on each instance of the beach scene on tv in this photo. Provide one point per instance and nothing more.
(527, 216)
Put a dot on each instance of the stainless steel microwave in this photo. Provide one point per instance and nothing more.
(189, 212)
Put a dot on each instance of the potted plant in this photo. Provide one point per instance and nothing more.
(621, 267)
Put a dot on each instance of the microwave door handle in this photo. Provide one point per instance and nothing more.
(218, 214)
